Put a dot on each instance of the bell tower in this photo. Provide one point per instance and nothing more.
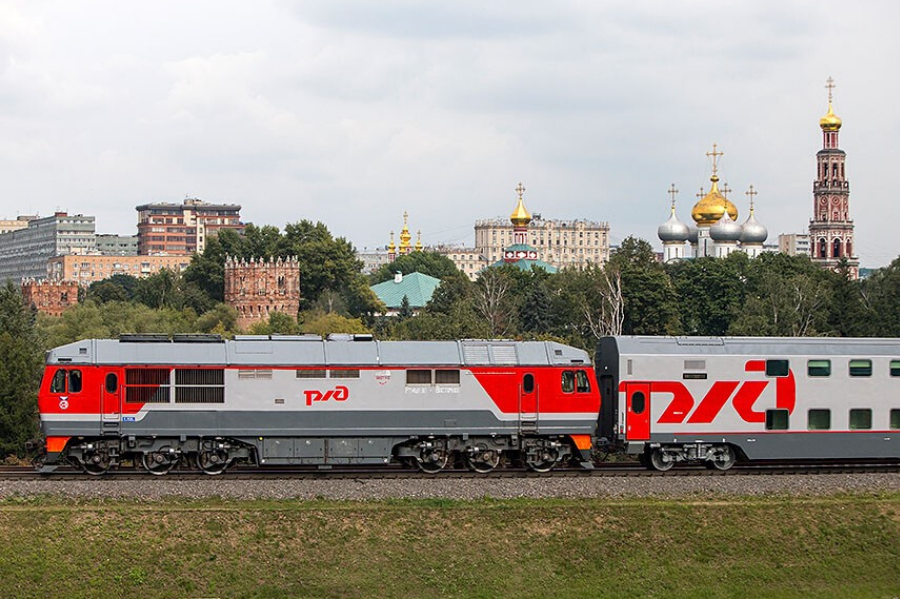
(831, 229)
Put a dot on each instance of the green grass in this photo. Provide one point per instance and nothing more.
(845, 546)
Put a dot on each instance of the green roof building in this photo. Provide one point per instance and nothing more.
(417, 288)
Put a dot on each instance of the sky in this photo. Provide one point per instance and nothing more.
(351, 112)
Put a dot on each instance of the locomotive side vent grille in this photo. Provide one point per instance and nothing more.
(504, 354)
(341, 373)
(254, 374)
(200, 385)
(314, 373)
(476, 354)
(147, 385)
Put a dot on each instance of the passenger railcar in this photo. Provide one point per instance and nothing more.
(674, 399)
(303, 400)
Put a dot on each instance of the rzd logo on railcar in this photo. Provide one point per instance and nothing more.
(339, 393)
(743, 396)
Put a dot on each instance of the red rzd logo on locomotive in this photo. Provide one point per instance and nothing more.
(339, 393)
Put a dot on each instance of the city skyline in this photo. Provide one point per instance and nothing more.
(351, 113)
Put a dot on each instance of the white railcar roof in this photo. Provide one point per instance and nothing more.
(313, 351)
(759, 346)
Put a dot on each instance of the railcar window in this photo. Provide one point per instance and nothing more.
(528, 383)
(860, 367)
(895, 367)
(418, 377)
(818, 368)
(58, 384)
(582, 382)
(568, 381)
(112, 382)
(344, 373)
(777, 367)
(895, 419)
(860, 419)
(819, 420)
(446, 377)
(311, 373)
(74, 381)
(776, 420)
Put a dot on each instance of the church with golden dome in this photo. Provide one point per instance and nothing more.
(717, 232)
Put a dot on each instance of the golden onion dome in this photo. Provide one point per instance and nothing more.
(710, 209)
(831, 121)
(520, 216)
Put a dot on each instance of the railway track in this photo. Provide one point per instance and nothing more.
(622, 469)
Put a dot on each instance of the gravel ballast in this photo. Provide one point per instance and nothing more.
(506, 488)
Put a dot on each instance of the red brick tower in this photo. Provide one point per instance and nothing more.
(256, 288)
(50, 297)
(831, 229)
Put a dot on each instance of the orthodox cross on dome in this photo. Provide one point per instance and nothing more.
(520, 189)
(726, 190)
(672, 191)
(715, 158)
(752, 193)
(700, 195)
(829, 85)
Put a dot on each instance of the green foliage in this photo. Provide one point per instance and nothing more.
(322, 323)
(650, 300)
(21, 363)
(426, 263)
(278, 323)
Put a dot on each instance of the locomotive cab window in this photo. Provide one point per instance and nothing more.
(816, 368)
(819, 420)
(112, 382)
(58, 384)
(860, 367)
(74, 381)
(568, 381)
(860, 419)
(582, 383)
(528, 383)
(776, 420)
(777, 368)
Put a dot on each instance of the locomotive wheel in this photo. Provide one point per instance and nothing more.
(482, 460)
(542, 461)
(212, 462)
(159, 462)
(661, 460)
(433, 461)
(727, 459)
(96, 464)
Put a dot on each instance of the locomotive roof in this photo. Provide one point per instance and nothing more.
(313, 351)
(759, 346)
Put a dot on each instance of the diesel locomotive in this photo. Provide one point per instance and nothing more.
(352, 400)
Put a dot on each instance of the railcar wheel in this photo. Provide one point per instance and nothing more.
(96, 464)
(542, 460)
(482, 460)
(433, 460)
(725, 459)
(159, 462)
(212, 462)
(661, 459)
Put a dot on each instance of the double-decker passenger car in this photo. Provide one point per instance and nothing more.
(672, 399)
(305, 400)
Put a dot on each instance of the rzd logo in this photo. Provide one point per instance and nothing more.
(743, 396)
(339, 393)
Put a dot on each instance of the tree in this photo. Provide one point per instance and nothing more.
(650, 304)
(278, 323)
(21, 362)
(323, 324)
(426, 263)
(494, 302)
(711, 292)
(405, 310)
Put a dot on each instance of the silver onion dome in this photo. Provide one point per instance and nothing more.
(725, 229)
(673, 229)
(752, 231)
(693, 235)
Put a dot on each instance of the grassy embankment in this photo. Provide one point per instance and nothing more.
(817, 547)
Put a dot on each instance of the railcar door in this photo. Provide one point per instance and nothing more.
(637, 411)
(528, 404)
(111, 402)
